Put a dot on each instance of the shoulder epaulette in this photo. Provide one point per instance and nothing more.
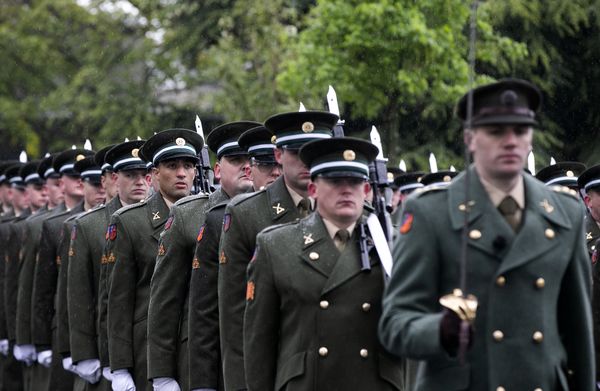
(565, 190)
(193, 197)
(93, 210)
(58, 215)
(277, 226)
(240, 198)
(127, 208)
(218, 206)
(429, 189)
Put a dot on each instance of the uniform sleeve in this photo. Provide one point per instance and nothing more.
(11, 279)
(167, 298)
(81, 297)
(410, 320)
(30, 245)
(3, 251)
(44, 288)
(261, 321)
(204, 345)
(121, 297)
(235, 253)
(102, 324)
(62, 317)
(574, 314)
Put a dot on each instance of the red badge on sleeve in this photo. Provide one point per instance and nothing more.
(407, 220)
(169, 223)
(226, 222)
(595, 257)
(73, 232)
(111, 232)
(201, 233)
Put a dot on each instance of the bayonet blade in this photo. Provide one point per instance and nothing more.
(199, 129)
(376, 140)
(88, 144)
(531, 163)
(402, 165)
(302, 108)
(552, 161)
(23, 157)
(432, 163)
(332, 101)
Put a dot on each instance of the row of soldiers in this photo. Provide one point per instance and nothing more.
(117, 278)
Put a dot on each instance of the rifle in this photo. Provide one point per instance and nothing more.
(203, 180)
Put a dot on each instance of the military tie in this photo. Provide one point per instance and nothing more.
(304, 207)
(509, 208)
(341, 238)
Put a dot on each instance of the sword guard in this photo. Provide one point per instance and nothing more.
(463, 306)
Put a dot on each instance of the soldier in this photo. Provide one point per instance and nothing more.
(133, 236)
(44, 333)
(37, 376)
(87, 282)
(93, 195)
(109, 182)
(283, 201)
(407, 183)
(312, 307)
(6, 208)
(440, 178)
(263, 169)
(527, 268)
(168, 310)
(561, 174)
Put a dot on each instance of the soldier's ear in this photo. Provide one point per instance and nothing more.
(467, 136)
(312, 189)
(367, 188)
(278, 152)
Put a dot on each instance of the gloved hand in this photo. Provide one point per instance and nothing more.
(67, 363)
(45, 358)
(89, 370)
(122, 381)
(165, 384)
(107, 373)
(4, 346)
(450, 332)
(25, 353)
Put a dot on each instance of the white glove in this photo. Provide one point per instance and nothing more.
(4, 347)
(45, 358)
(67, 363)
(122, 381)
(25, 353)
(165, 384)
(107, 373)
(89, 370)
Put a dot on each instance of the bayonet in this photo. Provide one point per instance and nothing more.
(203, 178)
(433, 168)
(531, 163)
(87, 145)
(402, 165)
(23, 157)
(301, 108)
(332, 103)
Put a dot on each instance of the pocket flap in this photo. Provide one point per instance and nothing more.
(392, 370)
(292, 367)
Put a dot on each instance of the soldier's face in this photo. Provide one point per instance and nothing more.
(93, 194)
(132, 185)
(110, 185)
(4, 194)
(19, 198)
(296, 174)
(263, 174)
(72, 186)
(231, 171)
(592, 200)
(38, 195)
(339, 200)
(499, 151)
(175, 178)
(55, 192)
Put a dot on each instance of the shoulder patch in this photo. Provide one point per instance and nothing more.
(226, 222)
(74, 232)
(407, 220)
(169, 223)
(201, 233)
(111, 232)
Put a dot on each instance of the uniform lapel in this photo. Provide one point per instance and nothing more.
(158, 212)
(318, 249)
(540, 231)
(486, 225)
(280, 200)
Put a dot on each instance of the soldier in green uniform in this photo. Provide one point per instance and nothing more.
(133, 236)
(168, 309)
(283, 201)
(109, 181)
(562, 174)
(263, 169)
(43, 310)
(93, 195)
(312, 307)
(6, 209)
(88, 267)
(36, 375)
(439, 178)
(527, 266)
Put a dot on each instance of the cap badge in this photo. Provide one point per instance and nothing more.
(570, 173)
(308, 127)
(390, 176)
(508, 98)
(273, 139)
(349, 155)
(447, 178)
(135, 152)
(180, 141)
(79, 157)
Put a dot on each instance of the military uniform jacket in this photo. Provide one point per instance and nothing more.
(167, 312)
(4, 232)
(533, 325)
(311, 314)
(31, 241)
(46, 276)
(103, 284)
(12, 268)
(204, 340)
(133, 236)
(592, 232)
(245, 216)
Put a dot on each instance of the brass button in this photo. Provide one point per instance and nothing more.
(313, 256)
(364, 353)
(498, 335)
(323, 351)
(540, 283)
(538, 336)
(549, 232)
(324, 304)
(500, 388)
(366, 307)
(501, 281)
(538, 389)
(475, 234)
